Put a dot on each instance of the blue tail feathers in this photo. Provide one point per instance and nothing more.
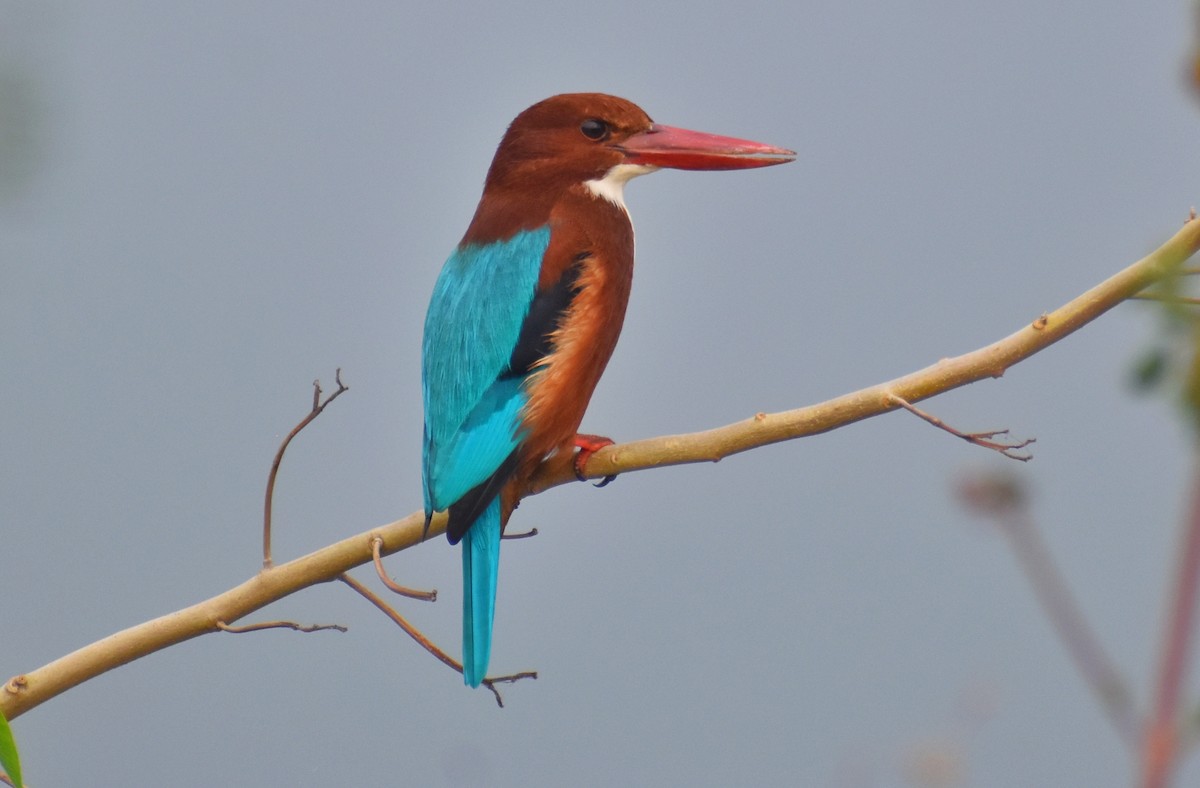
(481, 563)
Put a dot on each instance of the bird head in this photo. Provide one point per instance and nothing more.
(581, 137)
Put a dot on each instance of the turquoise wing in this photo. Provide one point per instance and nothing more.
(472, 398)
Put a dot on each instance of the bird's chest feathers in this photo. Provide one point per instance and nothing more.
(595, 238)
(600, 252)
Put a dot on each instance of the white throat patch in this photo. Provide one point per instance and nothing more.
(612, 186)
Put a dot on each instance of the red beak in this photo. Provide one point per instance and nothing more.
(680, 149)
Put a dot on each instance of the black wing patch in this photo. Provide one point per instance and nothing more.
(547, 309)
(463, 513)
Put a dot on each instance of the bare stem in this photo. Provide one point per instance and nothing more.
(1161, 747)
(221, 625)
(428, 644)
(402, 622)
(317, 407)
(392, 585)
(1010, 449)
(515, 677)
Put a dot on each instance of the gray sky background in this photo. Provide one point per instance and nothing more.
(207, 205)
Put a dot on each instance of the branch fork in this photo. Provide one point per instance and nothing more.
(988, 440)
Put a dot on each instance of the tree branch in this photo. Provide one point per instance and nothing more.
(317, 407)
(26, 691)
(950, 373)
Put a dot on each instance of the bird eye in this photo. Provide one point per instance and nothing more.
(594, 129)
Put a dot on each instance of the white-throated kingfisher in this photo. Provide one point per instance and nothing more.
(526, 313)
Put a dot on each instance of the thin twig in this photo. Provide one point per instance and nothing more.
(515, 677)
(984, 439)
(317, 407)
(237, 630)
(400, 621)
(411, 593)
(428, 644)
(521, 535)
(1162, 749)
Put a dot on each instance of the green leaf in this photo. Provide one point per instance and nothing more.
(8, 753)
(1150, 370)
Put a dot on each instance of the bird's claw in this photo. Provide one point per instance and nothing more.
(589, 445)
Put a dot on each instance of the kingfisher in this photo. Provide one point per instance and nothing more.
(526, 312)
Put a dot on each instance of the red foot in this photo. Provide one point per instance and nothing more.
(589, 445)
